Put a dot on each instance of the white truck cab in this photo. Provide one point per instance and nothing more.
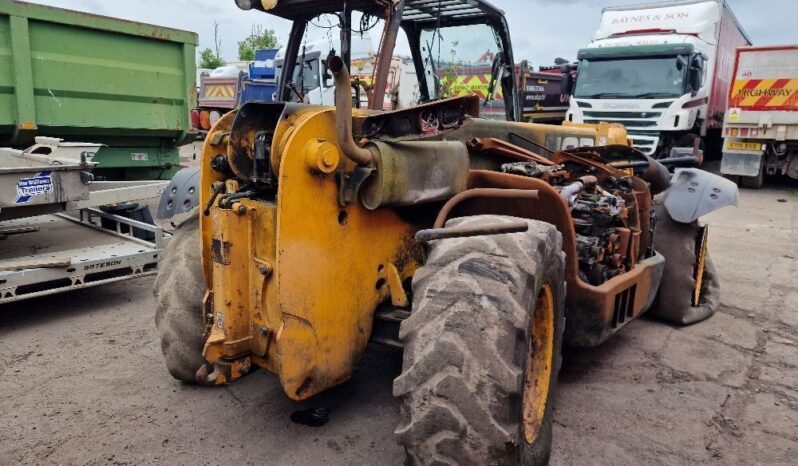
(662, 70)
(316, 84)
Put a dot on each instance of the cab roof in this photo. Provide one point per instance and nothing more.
(419, 12)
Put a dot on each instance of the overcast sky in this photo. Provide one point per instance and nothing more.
(541, 29)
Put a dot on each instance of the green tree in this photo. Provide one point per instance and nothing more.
(212, 58)
(209, 59)
(259, 38)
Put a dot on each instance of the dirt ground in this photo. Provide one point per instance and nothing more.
(82, 380)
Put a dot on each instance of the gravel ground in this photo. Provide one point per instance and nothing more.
(82, 379)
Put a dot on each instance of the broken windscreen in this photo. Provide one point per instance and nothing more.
(459, 60)
(321, 39)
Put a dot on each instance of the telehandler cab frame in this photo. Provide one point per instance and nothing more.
(429, 229)
(412, 16)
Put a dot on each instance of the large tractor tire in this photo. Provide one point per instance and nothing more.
(179, 290)
(483, 348)
(685, 260)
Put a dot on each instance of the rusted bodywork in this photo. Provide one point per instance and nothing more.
(593, 313)
(280, 244)
(316, 218)
(324, 229)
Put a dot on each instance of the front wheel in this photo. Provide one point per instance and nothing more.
(689, 290)
(483, 348)
(179, 290)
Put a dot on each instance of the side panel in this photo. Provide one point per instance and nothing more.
(680, 17)
(331, 268)
(729, 38)
(22, 118)
(765, 79)
(296, 291)
(98, 79)
(85, 77)
(541, 97)
(7, 107)
(219, 92)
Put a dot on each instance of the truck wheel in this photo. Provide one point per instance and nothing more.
(686, 258)
(179, 290)
(754, 182)
(733, 178)
(482, 348)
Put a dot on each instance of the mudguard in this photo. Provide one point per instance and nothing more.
(695, 192)
(676, 242)
(181, 195)
(743, 164)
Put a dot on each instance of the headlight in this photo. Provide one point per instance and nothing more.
(244, 4)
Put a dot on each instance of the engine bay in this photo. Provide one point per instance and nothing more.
(603, 236)
(603, 208)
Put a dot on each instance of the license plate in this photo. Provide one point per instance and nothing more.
(736, 145)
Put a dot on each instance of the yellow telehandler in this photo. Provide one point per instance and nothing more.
(476, 246)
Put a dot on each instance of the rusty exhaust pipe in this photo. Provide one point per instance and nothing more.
(343, 114)
(443, 214)
(571, 190)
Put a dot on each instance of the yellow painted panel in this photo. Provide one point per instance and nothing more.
(329, 263)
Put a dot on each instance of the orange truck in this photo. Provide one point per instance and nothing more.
(761, 127)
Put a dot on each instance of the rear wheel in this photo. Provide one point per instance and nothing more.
(754, 182)
(179, 290)
(733, 178)
(482, 349)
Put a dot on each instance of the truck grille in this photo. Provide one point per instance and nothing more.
(638, 126)
(627, 123)
(592, 114)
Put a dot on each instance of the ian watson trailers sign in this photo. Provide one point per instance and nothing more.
(28, 188)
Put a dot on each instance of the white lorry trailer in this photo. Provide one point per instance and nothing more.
(662, 70)
(761, 128)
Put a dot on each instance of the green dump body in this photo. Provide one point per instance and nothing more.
(89, 78)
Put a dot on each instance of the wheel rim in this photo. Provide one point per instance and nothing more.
(700, 264)
(539, 364)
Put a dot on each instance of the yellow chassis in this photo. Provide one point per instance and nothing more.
(293, 285)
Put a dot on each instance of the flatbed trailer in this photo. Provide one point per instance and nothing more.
(80, 247)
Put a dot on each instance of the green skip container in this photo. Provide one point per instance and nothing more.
(95, 79)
